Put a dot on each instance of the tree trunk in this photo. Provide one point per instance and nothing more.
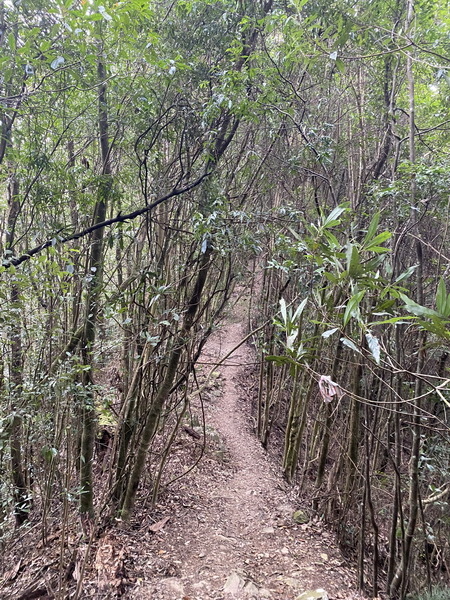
(163, 392)
(22, 500)
(95, 275)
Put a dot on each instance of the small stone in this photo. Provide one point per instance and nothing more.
(250, 589)
(234, 584)
(290, 581)
(200, 585)
(284, 551)
(173, 585)
(318, 594)
(268, 530)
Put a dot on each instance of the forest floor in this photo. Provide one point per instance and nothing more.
(223, 531)
(230, 531)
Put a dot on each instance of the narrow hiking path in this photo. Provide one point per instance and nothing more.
(231, 532)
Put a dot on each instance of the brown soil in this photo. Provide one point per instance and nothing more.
(231, 534)
(225, 530)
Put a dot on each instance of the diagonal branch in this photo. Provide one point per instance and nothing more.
(15, 261)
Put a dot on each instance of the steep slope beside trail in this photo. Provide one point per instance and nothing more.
(231, 533)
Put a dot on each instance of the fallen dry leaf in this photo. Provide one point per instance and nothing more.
(12, 573)
(158, 525)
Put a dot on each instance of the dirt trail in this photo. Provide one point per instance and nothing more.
(231, 534)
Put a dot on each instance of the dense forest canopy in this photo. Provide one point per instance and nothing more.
(152, 155)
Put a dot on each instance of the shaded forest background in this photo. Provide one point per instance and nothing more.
(153, 155)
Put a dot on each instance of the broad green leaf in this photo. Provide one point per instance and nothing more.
(340, 65)
(332, 278)
(299, 310)
(352, 305)
(281, 360)
(379, 239)
(332, 239)
(354, 266)
(436, 326)
(417, 309)
(333, 217)
(299, 4)
(442, 300)
(49, 453)
(378, 249)
(372, 229)
(11, 42)
(409, 271)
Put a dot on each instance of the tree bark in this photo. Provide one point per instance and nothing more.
(163, 392)
(95, 275)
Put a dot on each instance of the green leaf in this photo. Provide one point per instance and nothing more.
(378, 249)
(299, 4)
(333, 217)
(49, 453)
(374, 346)
(299, 310)
(395, 320)
(283, 310)
(332, 239)
(354, 266)
(381, 237)
(437, 327)
(351, 344)
(290, 339)
(11, 42)
(281, 360)
(442, 300)
(340, 65)
(416, 309)
(409, 271)
(330, 277)
(372, 229)
(329, 332)
(352, 306)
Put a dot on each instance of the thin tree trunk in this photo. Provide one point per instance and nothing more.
(165, 387)
(95, 274)
(21, 496)
(400, 579)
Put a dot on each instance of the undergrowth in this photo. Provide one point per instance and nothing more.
(436, 594)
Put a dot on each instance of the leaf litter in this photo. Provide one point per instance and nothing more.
(224, 531)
